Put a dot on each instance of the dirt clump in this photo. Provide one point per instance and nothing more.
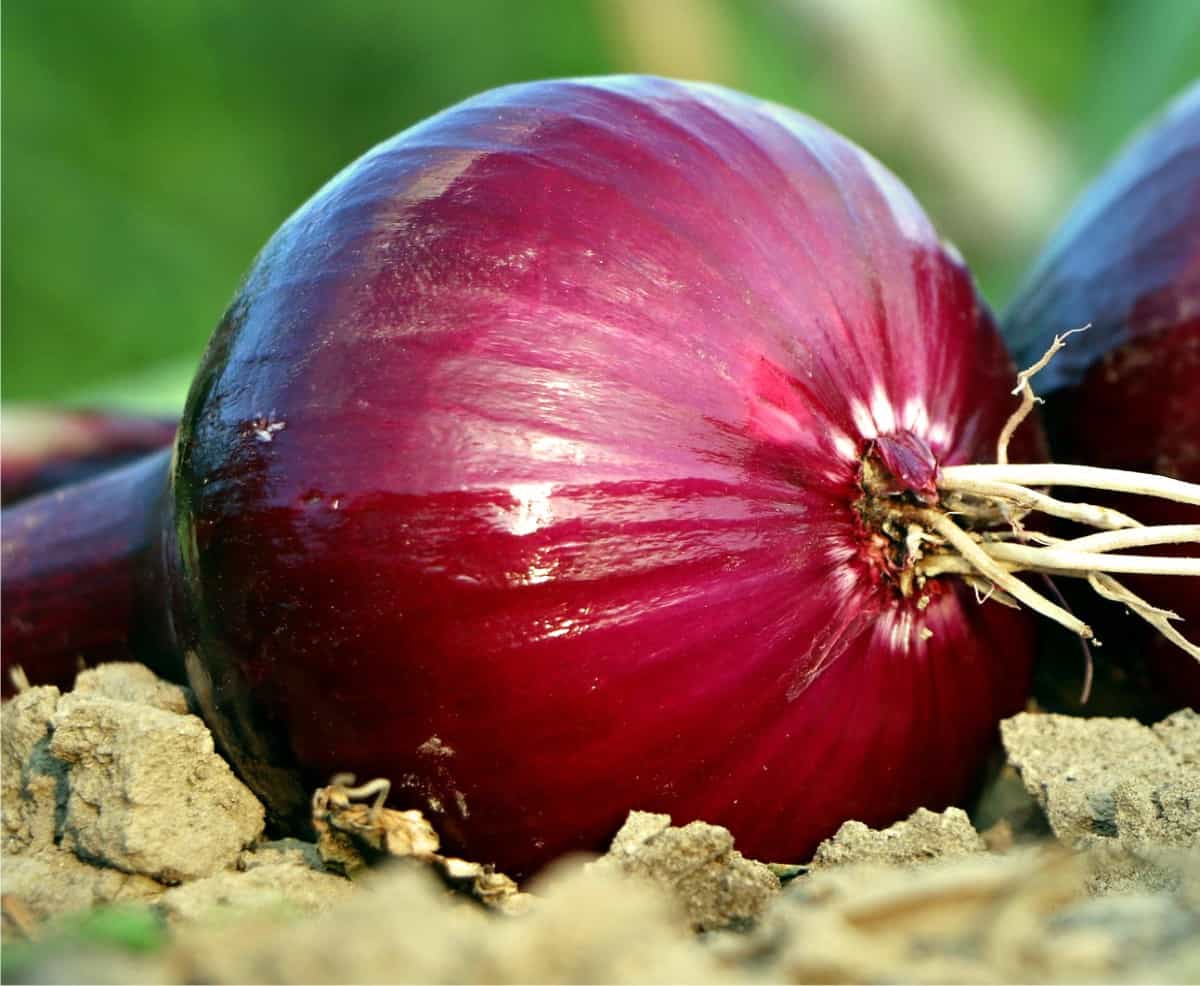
(1023, 916)
(50, 882)
(924, 836)
(1111, 779)
(1129, 793)
(125, 681)
(697, 866)
(138, 777)
(289, 889)
(32, 780)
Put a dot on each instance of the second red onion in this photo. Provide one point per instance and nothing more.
(1126, 393)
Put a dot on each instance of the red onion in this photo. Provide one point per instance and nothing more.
(43, 447)
(81, 577)
(579, 450)
(1126, 393)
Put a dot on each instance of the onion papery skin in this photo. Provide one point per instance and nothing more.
(523, 469)
(1126, 393)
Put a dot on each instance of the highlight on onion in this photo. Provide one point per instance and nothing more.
(594, 445)
(43, 447)
(1126, 393)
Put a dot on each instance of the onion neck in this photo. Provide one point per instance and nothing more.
(897, 479)
(83, 575)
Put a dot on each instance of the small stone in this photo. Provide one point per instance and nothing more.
(126, 681)
(697, 865)
(32, 780)
(139, 777)
(922, 837)
(283, 888)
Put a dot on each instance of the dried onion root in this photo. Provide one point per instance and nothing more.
(962, 529)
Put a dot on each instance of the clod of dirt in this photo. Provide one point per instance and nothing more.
(396, 927)
(52, 882)
(125, 681)
(697, 865)
(1111, 779)
(139, 777)
(1023, 916)
(922, 837)
(32, 781)
(597, 926)
(283, 888)
(401, 927)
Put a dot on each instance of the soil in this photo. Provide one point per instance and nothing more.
(131, 853)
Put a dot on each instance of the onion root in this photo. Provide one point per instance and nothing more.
(976, 530)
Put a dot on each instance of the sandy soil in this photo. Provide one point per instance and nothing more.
(131, 853)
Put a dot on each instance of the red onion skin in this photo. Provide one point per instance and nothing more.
(1126, 393)
(523, 471)
(81, 578)
(45, 448)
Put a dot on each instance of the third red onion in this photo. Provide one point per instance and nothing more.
(1126, 393)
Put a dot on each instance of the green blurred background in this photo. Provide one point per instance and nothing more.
(152, 146)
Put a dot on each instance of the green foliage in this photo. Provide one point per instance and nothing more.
(126, 928)
(153, 147)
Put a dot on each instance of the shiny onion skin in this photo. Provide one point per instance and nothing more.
(82, 577)
(1126, 393)
(524, 471)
